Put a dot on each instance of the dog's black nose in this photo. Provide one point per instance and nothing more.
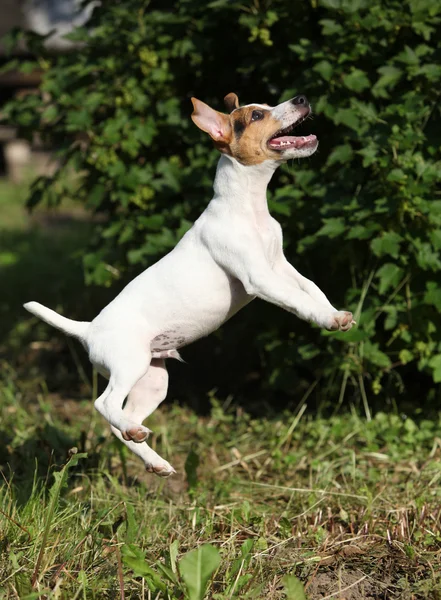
(300, 100)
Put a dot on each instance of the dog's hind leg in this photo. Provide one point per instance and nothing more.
(125, 370)
(143, 399)
(148, 393)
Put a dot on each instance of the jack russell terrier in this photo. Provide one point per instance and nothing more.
(231, 255)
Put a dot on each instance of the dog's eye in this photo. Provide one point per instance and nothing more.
(256, 115)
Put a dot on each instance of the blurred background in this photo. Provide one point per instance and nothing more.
(102, 172)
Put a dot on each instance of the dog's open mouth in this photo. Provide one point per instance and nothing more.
(282, 141)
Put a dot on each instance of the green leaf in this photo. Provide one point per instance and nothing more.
(374, 355)
(325, 69)
(353, 335)
(431, 71)
(389, 275)
(79, 120)
(391, 317)
(173, 552)
(348, 117)
(435, 364)
(132, 527)
(293, 588)
(340, 154)
(408, 56)
(387, 244)
(197, 567)
(329, 26)
(134, 558)
(427, 258)
(332, 227)
(243, 560)
(357, 80)
(166, 572)
(405, 356)
(433, 295)
(397, 175)
(363, 232)
(389, 77)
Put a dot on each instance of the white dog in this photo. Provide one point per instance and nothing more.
(231, 255)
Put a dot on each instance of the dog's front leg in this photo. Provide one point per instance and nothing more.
(245, 259)
(278, 289)
(283, 267)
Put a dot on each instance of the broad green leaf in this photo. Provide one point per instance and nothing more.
(408, 56)
(374, 355)
(431, 71)
(293, 588)
(340, 154)
(389, 275)
(196, 568)
(329, 26)
(166, 572)
(435, 364)
(332, 227)
(348, 117)
(427, 257)
(325, 69)
(357, 80)
(387, 244)
(353, 335)
(134, 558)
(389, 77)
(397, 175)
(433, 295)
(390, 321)
(363, 232)
(131, 526)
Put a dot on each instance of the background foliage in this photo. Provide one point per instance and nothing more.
(362, 217)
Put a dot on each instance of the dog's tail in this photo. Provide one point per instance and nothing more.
(76, 329)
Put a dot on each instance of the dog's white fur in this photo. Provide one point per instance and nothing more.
(231, 255)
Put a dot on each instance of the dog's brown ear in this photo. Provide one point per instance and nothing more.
(216, 124)
(231, 102)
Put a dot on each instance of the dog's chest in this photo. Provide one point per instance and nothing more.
(270, 234)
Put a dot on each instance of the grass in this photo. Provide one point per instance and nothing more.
(338, 503)
(287, 506)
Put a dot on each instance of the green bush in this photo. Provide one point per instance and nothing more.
(362, 217)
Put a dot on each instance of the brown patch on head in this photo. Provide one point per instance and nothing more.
(252, 128)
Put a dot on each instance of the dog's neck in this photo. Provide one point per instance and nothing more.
(243, 187)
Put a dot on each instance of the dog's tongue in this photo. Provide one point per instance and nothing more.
(289, 141)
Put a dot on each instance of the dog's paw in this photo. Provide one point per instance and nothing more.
(161, 468)
(136, 434)
(341, 321)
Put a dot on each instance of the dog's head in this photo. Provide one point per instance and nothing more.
(257, 132)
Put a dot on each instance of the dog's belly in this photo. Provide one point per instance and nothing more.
(171, 339)
(200, 317)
